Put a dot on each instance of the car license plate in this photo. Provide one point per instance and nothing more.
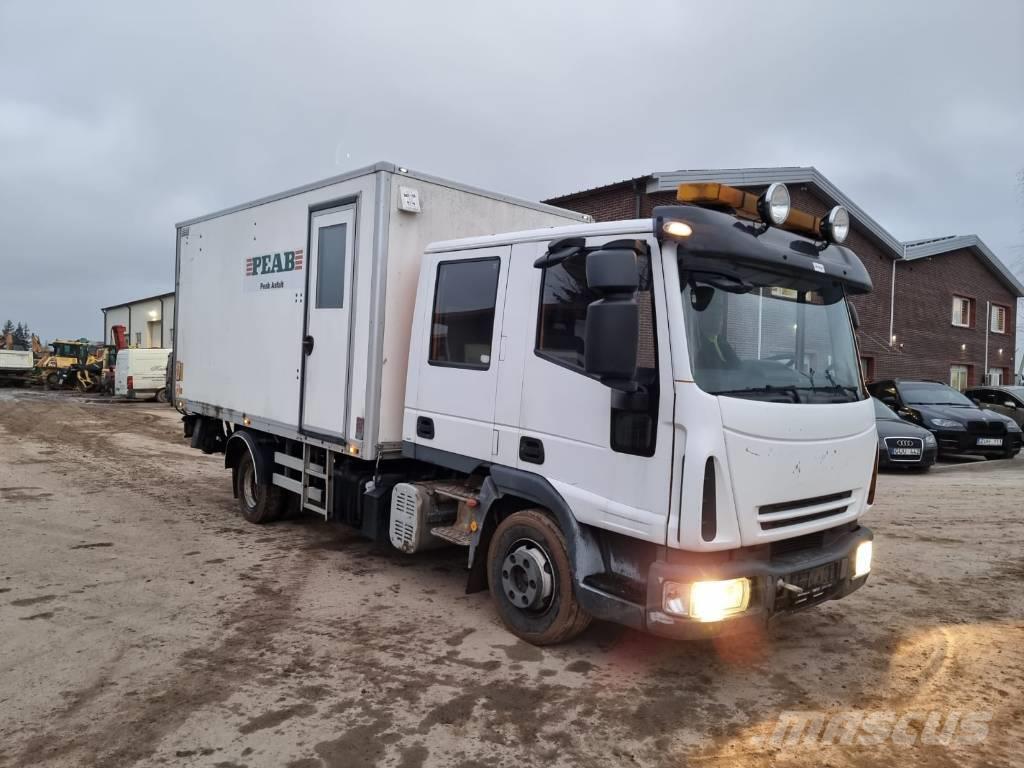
(915, 452)
(990, 441)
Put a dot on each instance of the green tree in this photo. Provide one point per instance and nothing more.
(8, 328)
(22, 336)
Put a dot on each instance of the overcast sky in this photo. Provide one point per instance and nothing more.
(119, 119)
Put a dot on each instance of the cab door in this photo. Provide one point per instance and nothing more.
(456, 389)
(612, 467)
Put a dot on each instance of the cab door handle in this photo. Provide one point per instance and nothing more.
(531, 450)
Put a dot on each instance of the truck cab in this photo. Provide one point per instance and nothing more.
(662, 421)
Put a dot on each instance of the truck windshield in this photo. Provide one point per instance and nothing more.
(771, 342)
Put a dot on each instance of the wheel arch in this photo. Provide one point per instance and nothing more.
(507, 490)
(260, 447)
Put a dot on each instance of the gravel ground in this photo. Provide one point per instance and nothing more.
(142, 622)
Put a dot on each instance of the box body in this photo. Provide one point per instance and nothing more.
(15, 361)
(244, 275)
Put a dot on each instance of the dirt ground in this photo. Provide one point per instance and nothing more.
(144, 623)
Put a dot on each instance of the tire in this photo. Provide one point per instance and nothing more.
(52, 380)
(542, 610)
(161, 396)
(258, 503)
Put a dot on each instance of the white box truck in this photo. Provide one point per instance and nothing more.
(141, 373)
(659, 422)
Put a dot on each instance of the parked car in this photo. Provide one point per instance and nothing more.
(959, 426)
(902, 445)
(1008, 401)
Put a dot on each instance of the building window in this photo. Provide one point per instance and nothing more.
(995, 377)
(138, 338)
(463, 321)
(997, 321)
(959, 377)
(962, 311)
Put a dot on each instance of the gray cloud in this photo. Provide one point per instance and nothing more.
(119, 119)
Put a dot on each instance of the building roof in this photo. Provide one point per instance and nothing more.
(138, 301)
(922, 249)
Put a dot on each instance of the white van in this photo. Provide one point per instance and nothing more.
(141, 373)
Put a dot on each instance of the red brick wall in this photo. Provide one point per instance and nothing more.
(924, 292)
(927, 342)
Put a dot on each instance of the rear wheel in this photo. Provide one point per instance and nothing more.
(161, 396)
(258, 502)
(52, 380)
(531, 579)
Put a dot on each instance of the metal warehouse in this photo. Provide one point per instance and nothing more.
(148, 322)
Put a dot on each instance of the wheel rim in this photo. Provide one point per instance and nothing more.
(527, 577)
(249, 485)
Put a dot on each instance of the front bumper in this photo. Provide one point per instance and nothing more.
(958, 441)
(767, 599)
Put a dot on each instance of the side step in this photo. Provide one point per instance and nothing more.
(454, 534)
(315, 488)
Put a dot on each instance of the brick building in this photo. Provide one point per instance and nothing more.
(943, 309)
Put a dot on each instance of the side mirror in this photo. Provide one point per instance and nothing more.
(854, 316)
(612, 335)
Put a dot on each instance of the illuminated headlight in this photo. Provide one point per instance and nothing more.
(707, 600)
(836, 226)
(862, 560)
(946, 423)
(774, 205)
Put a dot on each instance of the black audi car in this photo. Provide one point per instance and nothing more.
(902, 445)
(959, 426)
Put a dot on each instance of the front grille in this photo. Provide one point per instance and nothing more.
(788, 506)
(986, 427)
(768, 525)
(787, 513)
(797, 544)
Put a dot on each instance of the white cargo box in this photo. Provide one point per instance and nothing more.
(15, 361)
(293, 312)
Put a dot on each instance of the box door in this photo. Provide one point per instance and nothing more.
(325, 345)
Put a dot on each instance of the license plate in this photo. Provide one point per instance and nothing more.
(990, 441)
(915, 452)
(816, 578)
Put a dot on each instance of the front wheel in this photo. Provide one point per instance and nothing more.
(259, 503)
(531, 581)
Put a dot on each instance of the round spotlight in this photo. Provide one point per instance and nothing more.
(677, 228)
(774, 205)
(836, 226)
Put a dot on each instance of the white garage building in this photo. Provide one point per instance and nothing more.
(149, 322)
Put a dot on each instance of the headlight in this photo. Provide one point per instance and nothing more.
(929, 439)
(707, 600)
(946, 423)
(862, 560)
(836, 226)
(774, 205)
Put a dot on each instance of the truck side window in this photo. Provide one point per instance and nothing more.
(462, 323)
(560, 339)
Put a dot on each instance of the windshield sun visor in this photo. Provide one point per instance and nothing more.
(749, 252)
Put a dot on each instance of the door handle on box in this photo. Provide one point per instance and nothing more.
(307, 345)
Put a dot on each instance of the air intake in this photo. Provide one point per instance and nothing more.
(709, 503)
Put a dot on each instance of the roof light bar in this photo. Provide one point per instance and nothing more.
(772, 208)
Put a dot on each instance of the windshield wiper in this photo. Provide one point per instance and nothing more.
(767, 389)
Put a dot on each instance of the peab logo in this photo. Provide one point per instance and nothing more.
(274, 270)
